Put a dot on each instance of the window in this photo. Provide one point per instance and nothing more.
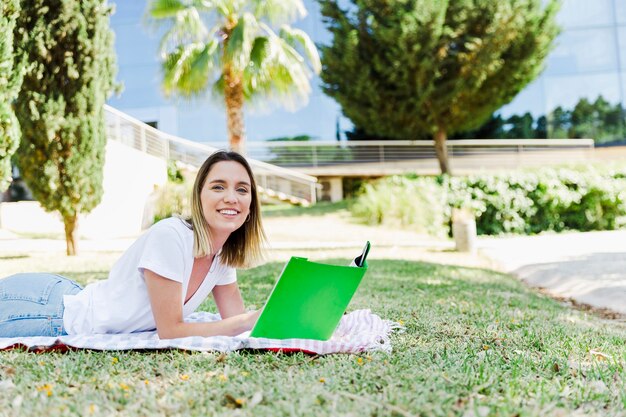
(565, 91)
(585, 13)
(620, 11)
(585, 50)
(621, 35)
(531, 99)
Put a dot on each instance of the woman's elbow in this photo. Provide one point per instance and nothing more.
(168, 332)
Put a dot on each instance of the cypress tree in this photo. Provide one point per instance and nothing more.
(408, 68)
(68, 46)
(11, 71)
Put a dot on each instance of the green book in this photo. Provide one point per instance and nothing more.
(309, 299)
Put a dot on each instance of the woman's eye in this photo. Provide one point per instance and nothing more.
(217, 187)
(242, 190)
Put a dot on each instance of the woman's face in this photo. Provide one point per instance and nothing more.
(226, 197)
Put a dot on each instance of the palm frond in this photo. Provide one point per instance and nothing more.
(277, 72)
(278, 12)
(298, 39)
(256, 70)
(273, 66)
(239, 43)
(163, 9)
(187, 27)
(229, 8)
(260, 51)
(189, 68)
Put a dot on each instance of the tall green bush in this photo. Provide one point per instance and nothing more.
(11, 72)
(68, 46)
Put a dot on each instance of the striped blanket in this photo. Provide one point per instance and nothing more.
(358, 331)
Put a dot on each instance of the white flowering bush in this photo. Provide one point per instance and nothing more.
(520, 202)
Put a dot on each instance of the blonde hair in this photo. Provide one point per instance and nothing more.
(244, 246)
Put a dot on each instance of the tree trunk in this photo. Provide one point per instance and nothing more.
(233, 97)
(71, 223)
(442, 150)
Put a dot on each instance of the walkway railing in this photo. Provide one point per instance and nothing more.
(273, 180)
(327, 153)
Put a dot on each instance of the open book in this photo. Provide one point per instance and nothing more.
(309, 299)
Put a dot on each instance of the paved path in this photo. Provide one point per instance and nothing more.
(589, 268)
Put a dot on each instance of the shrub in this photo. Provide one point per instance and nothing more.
(173, 199)
(399, 201)
(547, 200)
(174, 173)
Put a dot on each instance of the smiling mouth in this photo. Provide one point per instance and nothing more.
(228, 212)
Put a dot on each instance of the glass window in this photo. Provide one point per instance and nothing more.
(580, 13)
(531, 99)
(136, 96)
(582, 51)
(312, 23)
(317, 119)
(621, 35)
(623, 77)
(565, 91)
(203, 122)
(141, 86)
(128, 11)
(134, 46)
(620, 11)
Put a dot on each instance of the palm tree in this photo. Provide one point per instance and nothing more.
(232, 45)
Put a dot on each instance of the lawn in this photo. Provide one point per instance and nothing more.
(476, 343)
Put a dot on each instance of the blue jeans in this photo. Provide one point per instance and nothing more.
(32, 304)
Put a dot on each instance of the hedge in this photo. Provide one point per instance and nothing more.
(520, 202)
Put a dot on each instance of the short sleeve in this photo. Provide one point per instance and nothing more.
(163, 252)
(228, 275)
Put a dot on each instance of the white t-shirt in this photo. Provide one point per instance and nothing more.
(120, 304)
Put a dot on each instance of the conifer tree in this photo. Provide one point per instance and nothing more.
(11, 71)
(409, 68)
(68, 46)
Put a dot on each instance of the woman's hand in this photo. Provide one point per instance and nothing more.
(167, 308)
(250, 318)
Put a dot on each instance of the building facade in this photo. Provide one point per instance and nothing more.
(589, 60)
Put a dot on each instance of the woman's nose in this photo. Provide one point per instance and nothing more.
(230, 196)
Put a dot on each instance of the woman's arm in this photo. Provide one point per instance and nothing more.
(228, 300)
(166, 302)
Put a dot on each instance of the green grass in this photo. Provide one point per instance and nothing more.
(476, 343)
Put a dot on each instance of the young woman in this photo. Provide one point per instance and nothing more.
(163, 277)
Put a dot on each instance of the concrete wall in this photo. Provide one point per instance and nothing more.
(130, 177)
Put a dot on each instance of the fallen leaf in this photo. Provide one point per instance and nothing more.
(8, 370)
(599, 355)
(232, 402)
